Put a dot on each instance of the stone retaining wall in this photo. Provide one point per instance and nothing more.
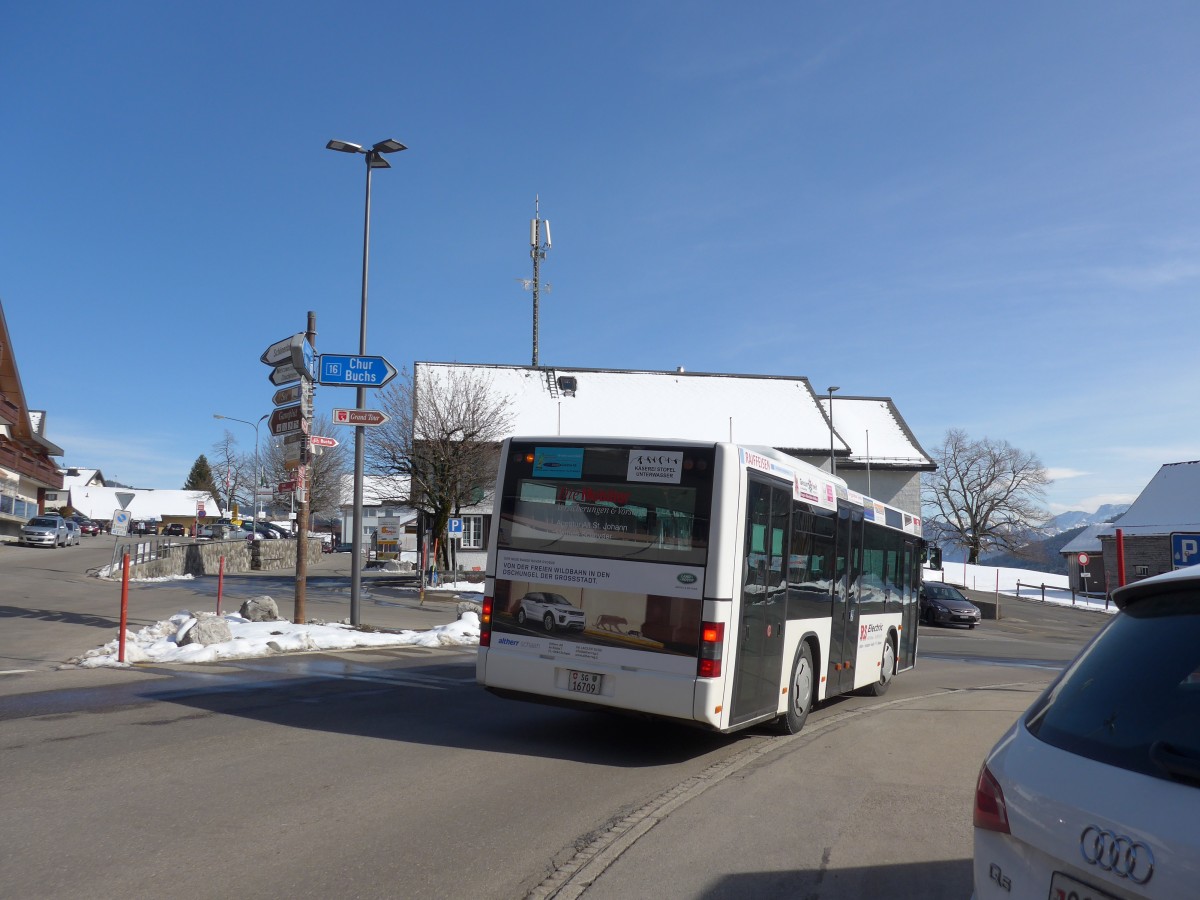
(205, 558)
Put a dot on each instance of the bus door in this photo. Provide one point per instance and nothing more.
(910, 584)
(758, 668)
(843, 627)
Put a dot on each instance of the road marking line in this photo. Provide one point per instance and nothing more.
(15, 671)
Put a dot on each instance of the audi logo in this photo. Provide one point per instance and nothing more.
(1117, 853)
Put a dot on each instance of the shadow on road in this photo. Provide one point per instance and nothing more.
(441, 705)
(937, 880)
(55, 615)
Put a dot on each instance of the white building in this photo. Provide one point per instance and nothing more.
(384, 502)
(874, 449)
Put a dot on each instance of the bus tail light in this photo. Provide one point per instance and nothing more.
(991, 814)
(485, 623)
(712, 639)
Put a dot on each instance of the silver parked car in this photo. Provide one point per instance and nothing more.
(1094, 792)
(45, 531)
(73, 533)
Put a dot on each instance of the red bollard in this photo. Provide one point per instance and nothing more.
(124, 606)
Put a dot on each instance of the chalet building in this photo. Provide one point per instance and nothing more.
(1161, 529)
(27, 468)
(1089, 577)
(864, 439)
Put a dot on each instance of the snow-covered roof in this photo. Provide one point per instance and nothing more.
(775, 411)
(1088, 540)
(377, 490)
(78, 477)
(1170, 502)
(872, 428)
(102, 502)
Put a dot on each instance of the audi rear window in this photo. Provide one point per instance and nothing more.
(1132, 698)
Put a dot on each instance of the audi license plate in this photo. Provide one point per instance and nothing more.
(583, 682)
(1064, 887)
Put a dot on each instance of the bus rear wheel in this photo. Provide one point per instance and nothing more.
(800, 692)
(887, 670)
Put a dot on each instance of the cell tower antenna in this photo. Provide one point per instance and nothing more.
(539, 244)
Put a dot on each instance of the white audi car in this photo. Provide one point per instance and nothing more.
(1094, 793)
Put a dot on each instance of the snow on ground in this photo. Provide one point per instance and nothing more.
(1005, 581)
(159, 643)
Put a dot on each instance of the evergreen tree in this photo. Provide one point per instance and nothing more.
(201, 477)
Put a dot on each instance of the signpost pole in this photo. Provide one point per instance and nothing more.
(306, 401)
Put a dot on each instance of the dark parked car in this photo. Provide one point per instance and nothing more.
(86, 525)
(175, 530)
(267, 531)
(941, 604)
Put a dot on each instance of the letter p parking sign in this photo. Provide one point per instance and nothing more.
(1185, 550)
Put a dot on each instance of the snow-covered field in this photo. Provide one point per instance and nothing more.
(1005, 582)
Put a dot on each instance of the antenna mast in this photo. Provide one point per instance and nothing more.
(539, 243)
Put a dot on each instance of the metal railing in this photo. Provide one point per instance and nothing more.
(1042, 588)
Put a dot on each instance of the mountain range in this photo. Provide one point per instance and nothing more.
(1043, 552)
(1109, 512)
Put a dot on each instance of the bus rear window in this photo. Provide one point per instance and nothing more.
(595, 510)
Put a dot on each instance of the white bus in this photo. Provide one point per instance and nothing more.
(716, 584)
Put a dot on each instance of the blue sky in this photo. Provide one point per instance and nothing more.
(988, 212)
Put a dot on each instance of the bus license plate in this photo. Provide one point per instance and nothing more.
(584, 682)
(1064, 887)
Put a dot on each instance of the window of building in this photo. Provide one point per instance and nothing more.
(472, 538)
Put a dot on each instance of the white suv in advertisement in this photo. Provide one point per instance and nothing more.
(1095, 791)
(554, 611)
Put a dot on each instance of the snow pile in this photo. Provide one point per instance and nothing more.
(159, 643)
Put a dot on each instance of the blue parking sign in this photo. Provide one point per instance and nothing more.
(1185, 549)
(454, 528)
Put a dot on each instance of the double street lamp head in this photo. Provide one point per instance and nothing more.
(374, 155)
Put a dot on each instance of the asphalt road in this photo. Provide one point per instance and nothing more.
(391, 774)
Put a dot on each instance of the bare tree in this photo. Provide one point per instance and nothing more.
(987, 494)
(440, 443)
(326, 474)
(233, 474)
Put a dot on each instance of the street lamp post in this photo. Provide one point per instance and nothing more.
(374, 159)
(254, 425)
(832, 461)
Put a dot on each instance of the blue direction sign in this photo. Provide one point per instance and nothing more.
(354, 371)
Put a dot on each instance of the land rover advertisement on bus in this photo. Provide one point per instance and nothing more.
(637, 525)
